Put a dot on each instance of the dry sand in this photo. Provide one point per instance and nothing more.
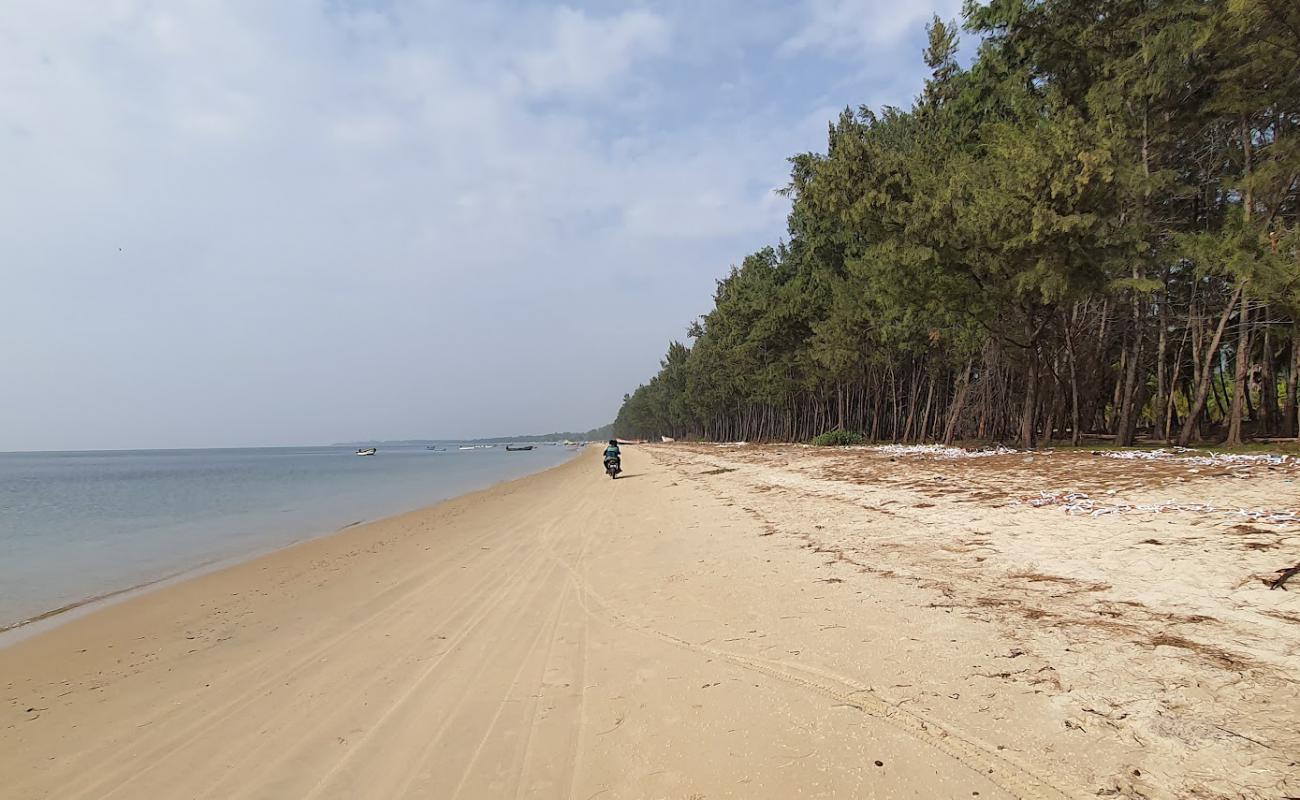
(721, 622)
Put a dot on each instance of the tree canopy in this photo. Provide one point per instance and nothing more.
(1090, 230)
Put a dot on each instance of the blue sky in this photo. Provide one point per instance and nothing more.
(252, 223)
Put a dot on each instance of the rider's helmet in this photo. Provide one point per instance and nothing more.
(614, 442)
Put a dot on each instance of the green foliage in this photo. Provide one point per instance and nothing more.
(839, 438)
(1045, 241)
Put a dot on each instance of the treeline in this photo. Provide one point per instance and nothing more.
(594, 435)
(1092, 230)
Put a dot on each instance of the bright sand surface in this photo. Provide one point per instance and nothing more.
(720, 622)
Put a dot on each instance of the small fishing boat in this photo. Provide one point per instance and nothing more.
(435, 449)
(511, 448)
(366, 451)
(469, 448)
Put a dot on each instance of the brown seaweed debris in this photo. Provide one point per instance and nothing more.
(1283, 575)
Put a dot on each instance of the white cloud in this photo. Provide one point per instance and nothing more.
(439, 195)
(366, 130)
(863, 27)
(588, 56)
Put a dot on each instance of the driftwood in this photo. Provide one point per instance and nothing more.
(1282, 576)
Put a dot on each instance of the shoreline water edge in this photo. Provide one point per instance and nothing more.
(80, 571)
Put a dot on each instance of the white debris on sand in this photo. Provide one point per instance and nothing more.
(938, 451)
(1199, 458)
(1080, 503)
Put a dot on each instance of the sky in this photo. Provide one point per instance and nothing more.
(249, 223)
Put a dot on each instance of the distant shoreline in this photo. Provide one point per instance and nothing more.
(39, 618)
(594, 435)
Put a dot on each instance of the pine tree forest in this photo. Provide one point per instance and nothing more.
(1092, 230)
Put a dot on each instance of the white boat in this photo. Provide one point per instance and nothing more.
(366, 451)
(468, 448)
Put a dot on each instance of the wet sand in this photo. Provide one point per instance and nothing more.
(720, 622)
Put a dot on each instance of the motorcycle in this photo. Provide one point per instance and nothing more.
(613, 466)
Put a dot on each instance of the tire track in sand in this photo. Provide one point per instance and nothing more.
(477, 612)
(400, 701)
(546, 631)
(423, 763)
(1013, 778)
(387, 605)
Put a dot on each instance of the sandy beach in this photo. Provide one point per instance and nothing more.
(754, 622)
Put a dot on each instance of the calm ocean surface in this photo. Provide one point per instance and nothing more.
(80, 525)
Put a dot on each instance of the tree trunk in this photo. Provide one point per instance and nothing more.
(893, 394)
(1159, 423)
(1075, 425)
(1168, 408)
(1291, 426)
(1198, 339)
(1239, 375)
(924, 431)
(1030, 410)
(1117, 394)
(958, 405)
(913, 398)
(1221, 399)
(1203, 385)
(1127, 427)
(1268, 383)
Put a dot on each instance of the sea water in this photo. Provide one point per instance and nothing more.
(81, 525)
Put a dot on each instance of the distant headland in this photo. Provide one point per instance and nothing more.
(595, 434)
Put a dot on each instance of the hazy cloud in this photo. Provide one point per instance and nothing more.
(292, 222)
(862, 27)
(588, 55)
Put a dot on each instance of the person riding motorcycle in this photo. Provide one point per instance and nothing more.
(612, 452)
